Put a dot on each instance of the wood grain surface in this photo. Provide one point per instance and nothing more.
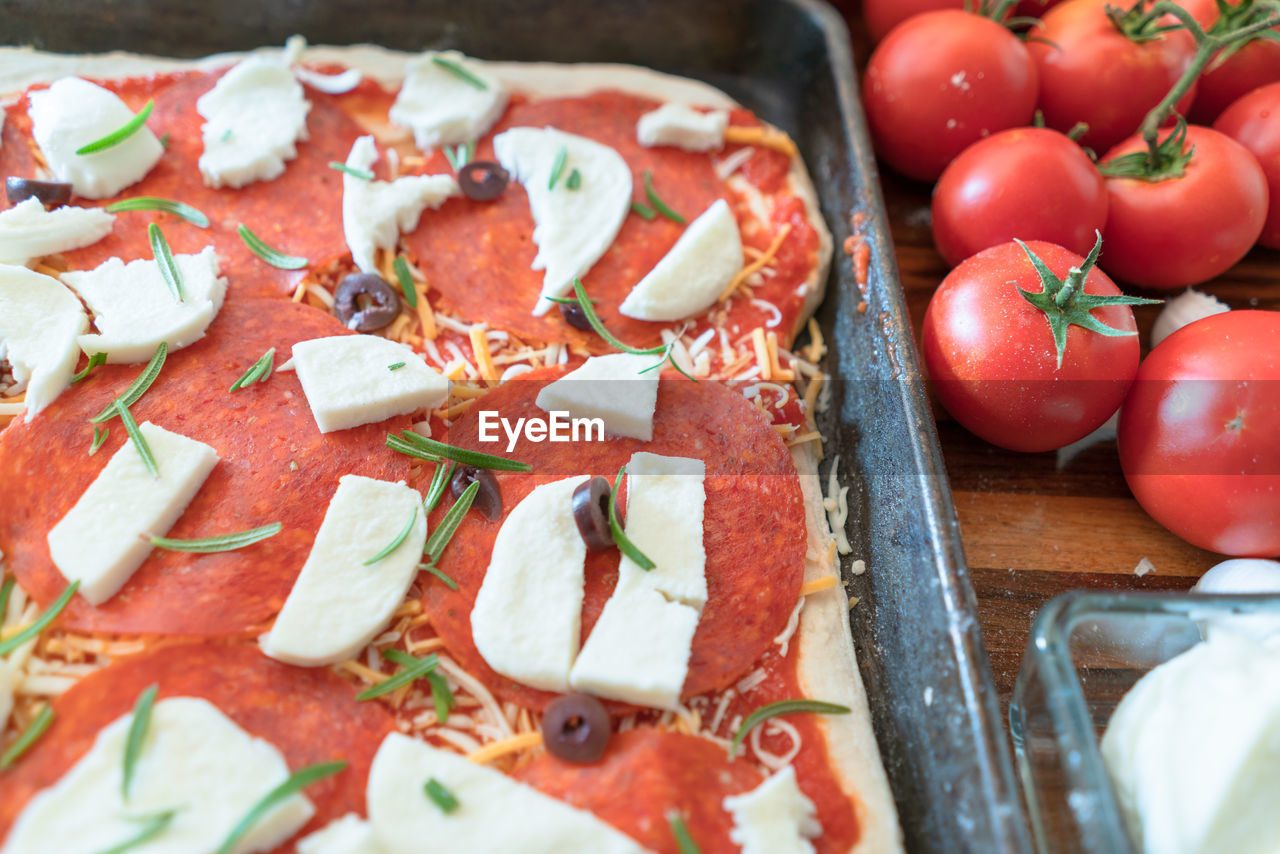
(1033, 528)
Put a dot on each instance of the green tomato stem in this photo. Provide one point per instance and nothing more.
(1207, 46)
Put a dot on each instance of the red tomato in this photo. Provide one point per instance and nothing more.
(1254, 122)
(1255, 64)
(992, 359)
(883, 15)
(1182, 231)
(1031, 183)
(1093, 73)
(940, 82)
(1200, 433)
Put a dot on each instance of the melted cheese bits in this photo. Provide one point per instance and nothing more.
(618, 389)
(375, 212)
(638, 651)
(447, 98)
(103, 538)
(40, 321)
(493, 812)
(255, 115)
(194, 760)
(774, 817)
(9, 677)
(350, 834)
(528, 612)
(72, 113)
(1194, 750)
(134, 309)
(682, 126)
(690, 278)
(28, 231)
(340, 601)
(573, 226)
(348, 381)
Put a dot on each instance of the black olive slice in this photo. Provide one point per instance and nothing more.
(574, 316)
(488, 498)
(576, 728)
(365, 303)
(49, 193)
(591, 512)
(482, 180)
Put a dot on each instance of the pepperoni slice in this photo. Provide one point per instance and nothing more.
(275, 466)
(299, 213)
(310, 715)
(644, 775)
(753, 530)
(478, 254)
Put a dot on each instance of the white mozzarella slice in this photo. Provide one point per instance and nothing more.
(134, 309)
(194, 760)
(528, 612)
(350, 834)
(494, 813)
(254, 117)
(28, 231)
(8, 684)
(375, 212)
(443, 108)
(774, 817)
(638, 651)
(348, 381)
(572, 227)
(616, 388)
(102, 539)
(40, 321)
(340, 602)
(72, 113)
(1194, 750)
(692, 275)
(666, 497)
(683, 127)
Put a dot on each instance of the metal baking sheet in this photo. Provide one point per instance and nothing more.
(915, 628)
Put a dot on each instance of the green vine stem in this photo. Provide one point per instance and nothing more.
(1207, 46)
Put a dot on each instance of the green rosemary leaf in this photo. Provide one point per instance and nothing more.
(121, 133)
(272, 256)
(154, 203)
(221, 542)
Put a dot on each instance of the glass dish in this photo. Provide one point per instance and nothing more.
(1085, 652)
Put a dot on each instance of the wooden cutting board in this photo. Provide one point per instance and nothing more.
(1034, 527)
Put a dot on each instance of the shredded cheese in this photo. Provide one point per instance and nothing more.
(498, 749)
(484, 358)
(767, 137)
(837, 506)
(757, 264)
(783, 640)
(817, 585)
(300, 292)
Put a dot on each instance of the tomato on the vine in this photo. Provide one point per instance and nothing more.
(1030, 346)
(1199, 433)
(1191, 221)
(940, 82)
(1029, 183)
(1106, 67)
(1254, 122)
(1238, 70)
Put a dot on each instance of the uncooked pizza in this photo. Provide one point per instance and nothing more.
(410, 452)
